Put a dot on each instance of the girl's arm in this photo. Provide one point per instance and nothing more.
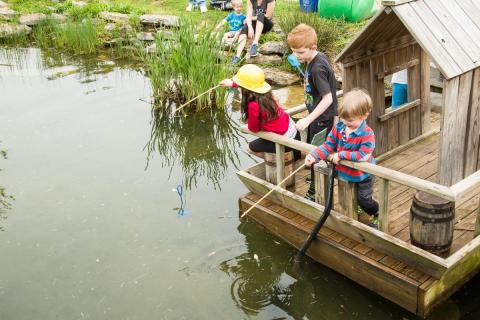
(270, 8)
(364, 152)
(253, 121)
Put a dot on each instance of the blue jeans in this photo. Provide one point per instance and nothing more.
(399, 94)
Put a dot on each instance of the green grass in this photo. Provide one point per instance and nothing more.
(332, 33)
(74, 36)
(185, 64)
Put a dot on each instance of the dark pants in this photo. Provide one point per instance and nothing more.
(262, 145)
(267, 24)
(364, 196)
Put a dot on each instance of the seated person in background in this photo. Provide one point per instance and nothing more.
(259, 20)
(399, 88)
(235, 21)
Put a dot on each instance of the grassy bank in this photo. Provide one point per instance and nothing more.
(191, 53)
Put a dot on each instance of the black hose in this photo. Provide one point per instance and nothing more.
(323, 217)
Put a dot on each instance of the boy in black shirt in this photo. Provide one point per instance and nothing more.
(320, 86)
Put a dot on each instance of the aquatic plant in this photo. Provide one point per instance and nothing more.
(186, 62)
(203, 144)
(74, 36)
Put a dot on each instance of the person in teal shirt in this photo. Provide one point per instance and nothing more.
(235, 20)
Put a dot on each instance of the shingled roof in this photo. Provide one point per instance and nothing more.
(448, 30)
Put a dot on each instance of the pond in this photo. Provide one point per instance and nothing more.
(96, 232)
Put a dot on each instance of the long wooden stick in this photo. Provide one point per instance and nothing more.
(266, 195)
(201, 94)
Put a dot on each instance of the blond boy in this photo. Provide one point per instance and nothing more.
(235, 20)
(353, 140)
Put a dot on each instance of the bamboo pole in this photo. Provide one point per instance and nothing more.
(273, 189)
(201, 94)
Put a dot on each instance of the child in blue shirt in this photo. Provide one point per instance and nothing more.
(235, 20)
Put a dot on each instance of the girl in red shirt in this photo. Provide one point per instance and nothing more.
(260, 110)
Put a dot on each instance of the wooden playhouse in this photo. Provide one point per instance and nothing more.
(416, 150)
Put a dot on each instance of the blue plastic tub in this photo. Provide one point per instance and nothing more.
(309, 5)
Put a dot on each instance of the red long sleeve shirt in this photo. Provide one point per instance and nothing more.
(279, 125)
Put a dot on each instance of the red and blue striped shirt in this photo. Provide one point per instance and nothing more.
(357, 147)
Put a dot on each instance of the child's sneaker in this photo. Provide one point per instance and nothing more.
(253, 50)
(203, 8)
(190, 7)
(373, 222)
(235, 60)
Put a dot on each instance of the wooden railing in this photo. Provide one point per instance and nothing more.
(384, 175)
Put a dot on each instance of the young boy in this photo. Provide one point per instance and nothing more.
(320, 87)
(200, 3)
(235, 20)
(353, 140)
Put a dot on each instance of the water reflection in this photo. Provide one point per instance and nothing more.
(264, 284)
(56, 65)
(203, 144)
(5, 199)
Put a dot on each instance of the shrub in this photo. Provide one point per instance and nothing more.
(185, 64)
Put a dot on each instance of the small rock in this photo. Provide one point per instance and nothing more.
(7, 14)
(8, 30)
(273, 47)
(145, 36)
(109, 27)
(125, 29)
(59, 17)
(280, 78)
(166, 34)
(79, 3)
(260, 58)
(114, 16)
(32, 19)
(159, 20)
(3, 4)
(151, 48)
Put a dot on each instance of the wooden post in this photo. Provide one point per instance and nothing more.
(347, 198)
(383, 205)
(278, 166)
(425, 90)
(321, 183)
(280, 156)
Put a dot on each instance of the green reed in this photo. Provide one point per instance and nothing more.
(202, 145)
(186, 63)
(74, 36)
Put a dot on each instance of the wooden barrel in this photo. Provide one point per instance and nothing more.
(431, 222)
(271, 168)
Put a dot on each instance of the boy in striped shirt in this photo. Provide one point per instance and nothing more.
(353, 140)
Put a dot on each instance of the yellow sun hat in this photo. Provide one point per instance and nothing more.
(252, 77)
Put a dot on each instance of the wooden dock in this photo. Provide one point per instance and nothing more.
(384, 262)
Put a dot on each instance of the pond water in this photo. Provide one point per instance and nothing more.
(95, 230)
